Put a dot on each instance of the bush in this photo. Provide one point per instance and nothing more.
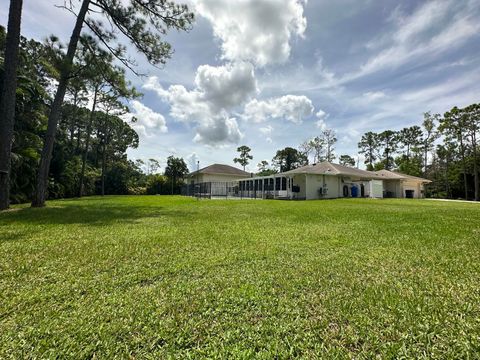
(137, 190)
(157, 184)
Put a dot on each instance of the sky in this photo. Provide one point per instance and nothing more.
(274, 73)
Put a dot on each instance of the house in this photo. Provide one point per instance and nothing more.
(327, 181)
(399, 185)
(216, 173)
(217, 180)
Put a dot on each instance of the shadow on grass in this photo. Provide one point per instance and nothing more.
(89, 214)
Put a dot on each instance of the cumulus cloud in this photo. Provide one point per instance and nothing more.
(291, 107)
(217, 131)
(227, 86)
(258, 31)
(321, 114)
(148, 120)
(218, 90)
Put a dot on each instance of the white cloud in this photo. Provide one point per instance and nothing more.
(371, 96)
(217, 131)
(253, 30)
(321, 114)
(321, 124)
(217, 91)
(192, 160)
(327, 78)
(148, 120)
(227, 86)
(418, 36)
(267, 130)
(291, 107)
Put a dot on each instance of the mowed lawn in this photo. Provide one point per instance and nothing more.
(171, 277)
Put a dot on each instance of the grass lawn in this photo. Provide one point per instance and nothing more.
(158, 277)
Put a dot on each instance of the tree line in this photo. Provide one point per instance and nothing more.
(443, 149)
(62, 126)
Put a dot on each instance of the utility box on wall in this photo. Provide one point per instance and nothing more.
(376, 188)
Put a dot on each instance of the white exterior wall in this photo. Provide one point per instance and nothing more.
(417, 187)
(315, 182)
(394, 187)
(202, 178)
(376, 188)
(299, 180)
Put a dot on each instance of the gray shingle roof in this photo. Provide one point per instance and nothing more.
(221, 169)
(326, 168)
(393, 175)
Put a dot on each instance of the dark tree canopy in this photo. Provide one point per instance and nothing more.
(289, 159)
(346, 160)
(176, 168)
(142, 23)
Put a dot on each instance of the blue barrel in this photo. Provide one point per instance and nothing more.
(354, 191)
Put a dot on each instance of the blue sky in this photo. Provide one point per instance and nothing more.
(273, 73)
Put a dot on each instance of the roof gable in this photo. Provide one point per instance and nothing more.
(393, 175)
(327, 168)
(221, 169)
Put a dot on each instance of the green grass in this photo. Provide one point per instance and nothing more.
(159, 277)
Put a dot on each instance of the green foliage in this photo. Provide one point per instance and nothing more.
(110, 135)
(176, 168)
(368, 146)
(289, 159)
(444, 150)
(121, 176)
(388, 143)
(143, 23)
(158, 185)
(244, 157)
(160, 277)
(409, 165)
(264, 169)
(346, 160)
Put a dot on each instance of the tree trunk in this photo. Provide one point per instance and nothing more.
(475, 168)
(447, 182)
(104, 158)
(464, 168)
(72, 124)
(44, 167)
(425, 157)
(7, 99)
(87, 142)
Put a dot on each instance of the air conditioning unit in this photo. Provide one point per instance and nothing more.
(322, 191)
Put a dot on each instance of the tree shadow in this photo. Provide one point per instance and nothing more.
(95, 214)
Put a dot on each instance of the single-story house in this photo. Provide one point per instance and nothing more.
(217, 180)
(327, 181)
(216, 173)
